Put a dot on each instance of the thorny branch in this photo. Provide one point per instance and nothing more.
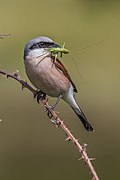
(70, 136)
(2, 36)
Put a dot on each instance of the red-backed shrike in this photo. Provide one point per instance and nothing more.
(49, 75)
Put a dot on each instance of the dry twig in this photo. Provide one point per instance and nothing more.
(58, 121)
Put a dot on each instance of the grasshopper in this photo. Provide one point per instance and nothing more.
(58, 50)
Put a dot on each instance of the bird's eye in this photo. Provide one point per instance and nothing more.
(41, 44)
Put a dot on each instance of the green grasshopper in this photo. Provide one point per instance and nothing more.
(58, 50)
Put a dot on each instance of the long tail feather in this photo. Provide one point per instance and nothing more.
(83, 119)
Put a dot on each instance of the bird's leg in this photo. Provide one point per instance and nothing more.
(56, 55)
(40, 95)
(53, 106)
(58, 99)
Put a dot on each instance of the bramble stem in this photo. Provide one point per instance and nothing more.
(70, 136)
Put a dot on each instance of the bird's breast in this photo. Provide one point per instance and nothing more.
(45, 76)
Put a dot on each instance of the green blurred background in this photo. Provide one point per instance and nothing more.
(30, 147)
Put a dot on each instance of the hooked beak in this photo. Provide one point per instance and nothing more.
(56, 45)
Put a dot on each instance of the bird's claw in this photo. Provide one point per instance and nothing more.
(39, 95)
(49, 115)
(49, 109)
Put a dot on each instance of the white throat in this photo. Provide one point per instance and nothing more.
(38, 52)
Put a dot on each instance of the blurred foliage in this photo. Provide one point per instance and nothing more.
(30, 147)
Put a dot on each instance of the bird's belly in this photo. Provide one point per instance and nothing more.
(47, 78)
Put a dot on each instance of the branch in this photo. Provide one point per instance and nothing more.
(57, 121)
(2, 36)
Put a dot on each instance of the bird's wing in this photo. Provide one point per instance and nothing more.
(60, 66)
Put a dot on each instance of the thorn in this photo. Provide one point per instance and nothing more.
(68, 139)
(84, 146)
(92, 159)
(15, 74)
(23, 87)
(93, 178)
(80, 158)
(54, 121)
(57, 112)
(6, 76)
(16, 71)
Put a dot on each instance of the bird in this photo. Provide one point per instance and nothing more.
(49, 75)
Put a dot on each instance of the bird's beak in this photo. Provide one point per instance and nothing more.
(56, 46)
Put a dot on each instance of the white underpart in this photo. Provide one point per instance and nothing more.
(70, 99)
(37, 52)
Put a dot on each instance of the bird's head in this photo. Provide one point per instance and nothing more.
(41, 45)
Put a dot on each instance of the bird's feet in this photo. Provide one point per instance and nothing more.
(51, 108)
(49, 114)
(40, 95)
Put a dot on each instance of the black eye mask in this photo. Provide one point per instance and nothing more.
(42, 45)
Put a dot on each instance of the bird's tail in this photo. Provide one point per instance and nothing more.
(83, 119)
(70, 99)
